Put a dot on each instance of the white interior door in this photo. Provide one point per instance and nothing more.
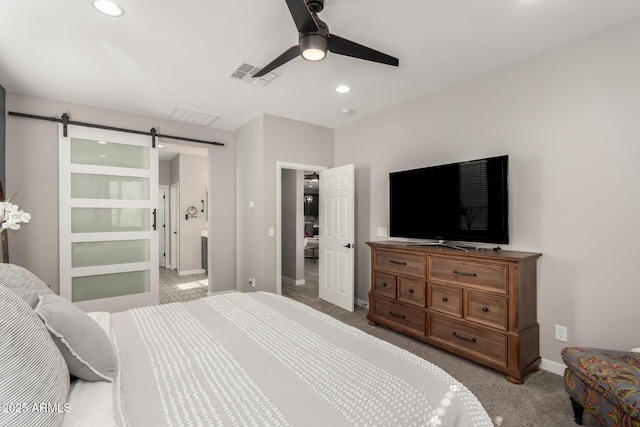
(108, 185)
(337, 236)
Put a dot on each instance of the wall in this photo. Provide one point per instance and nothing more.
(249, 189)
(568, 121)
(164, 172)
(32, 166)
(293, 225)
(289, 141)
(193, 175)
(262, 143)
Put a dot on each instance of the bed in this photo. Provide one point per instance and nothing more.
(230, 359)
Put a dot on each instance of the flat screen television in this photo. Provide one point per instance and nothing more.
(462, 202)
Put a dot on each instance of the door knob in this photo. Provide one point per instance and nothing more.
(348, 245)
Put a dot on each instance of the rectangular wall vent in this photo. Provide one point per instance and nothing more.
(194, 117)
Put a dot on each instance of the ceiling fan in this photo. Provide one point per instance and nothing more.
(315, 39)
(312, 176)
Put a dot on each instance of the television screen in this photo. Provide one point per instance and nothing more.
(466, 201)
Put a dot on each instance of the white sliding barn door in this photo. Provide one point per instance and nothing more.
(108, 200)
(337, 236)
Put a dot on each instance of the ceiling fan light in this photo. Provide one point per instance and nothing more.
(313, 54)
(313, 47)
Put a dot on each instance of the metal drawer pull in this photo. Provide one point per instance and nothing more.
(445, 299)
(384, 284)
(410, 291)
(463, 337)
(393, 261)
(462, 273)
(485, 309)
(402, 316)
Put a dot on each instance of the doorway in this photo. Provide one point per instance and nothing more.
(295, 230)
(300, 235)
(185, 173)
(336, 236)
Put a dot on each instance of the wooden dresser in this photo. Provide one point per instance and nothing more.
(479, 304)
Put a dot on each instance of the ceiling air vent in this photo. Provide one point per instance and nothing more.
(192, 116)
(244, 71)
(264, 80)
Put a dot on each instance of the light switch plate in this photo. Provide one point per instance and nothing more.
(272, 231)
(382, 232)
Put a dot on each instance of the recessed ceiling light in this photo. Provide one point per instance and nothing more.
(102, 142)
(343, 89)
(102, 155)
(160, 146)
(108, 7)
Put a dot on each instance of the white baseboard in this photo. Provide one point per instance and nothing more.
(553, 367)
(361, 303)
(190, 272)
(289, 281)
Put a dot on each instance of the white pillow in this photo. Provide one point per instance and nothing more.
(82, 342)
(636, 350)
(32, 370)
(92, 402)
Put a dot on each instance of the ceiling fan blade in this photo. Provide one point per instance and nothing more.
(285, 57)
(346, 47)
(302, 16)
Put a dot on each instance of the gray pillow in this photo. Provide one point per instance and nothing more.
(82, 342)
(23, 283)
(33, 371)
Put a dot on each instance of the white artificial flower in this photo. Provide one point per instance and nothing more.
(11, 216)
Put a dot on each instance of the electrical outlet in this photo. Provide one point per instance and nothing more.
(252, 282)
(561, 333)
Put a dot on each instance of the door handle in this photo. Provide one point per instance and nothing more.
(348, 246)
(154, 219)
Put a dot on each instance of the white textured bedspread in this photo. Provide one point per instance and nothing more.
(262, 359)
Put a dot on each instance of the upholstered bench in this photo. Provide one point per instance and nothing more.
(604, 382)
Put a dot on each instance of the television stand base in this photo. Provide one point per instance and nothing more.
(440, 243)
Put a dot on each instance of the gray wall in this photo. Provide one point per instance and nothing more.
(289, 141)
(262, 143)
(293, 225)
(193, 175)
(568, 120)
(249, 189)
(32, 167)
(164, 172)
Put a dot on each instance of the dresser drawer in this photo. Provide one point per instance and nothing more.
(446, 299)
(486, 309)
(401, 263)
(384, 284)
(412, 291)
(483, 344)
(492, 277)
(402, 317)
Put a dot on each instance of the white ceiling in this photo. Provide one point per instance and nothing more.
(165, 54)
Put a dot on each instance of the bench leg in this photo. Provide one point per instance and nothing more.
(578, 411)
